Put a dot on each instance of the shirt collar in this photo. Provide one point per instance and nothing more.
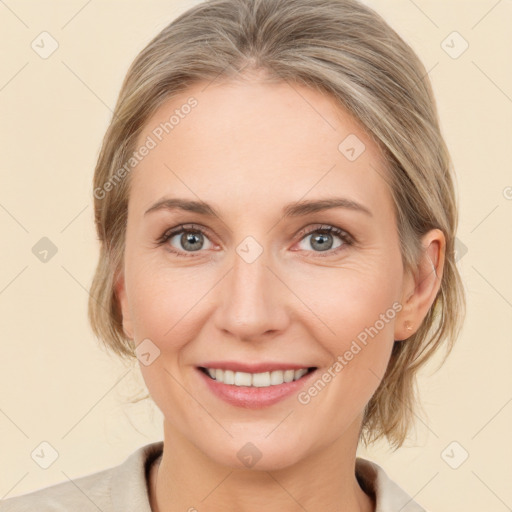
(129, 489)
(388, 496)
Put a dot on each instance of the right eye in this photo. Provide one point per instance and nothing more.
(185, 239)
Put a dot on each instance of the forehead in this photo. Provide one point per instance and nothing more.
(251, 143)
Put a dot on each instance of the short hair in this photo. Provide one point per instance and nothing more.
(341, 48)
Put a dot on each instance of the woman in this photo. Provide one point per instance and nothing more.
(277, 219)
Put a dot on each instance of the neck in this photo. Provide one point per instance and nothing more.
(184, 478)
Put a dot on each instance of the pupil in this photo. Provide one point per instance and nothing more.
(323, 243)
(188, 240)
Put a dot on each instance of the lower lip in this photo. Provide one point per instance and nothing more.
(253, 397)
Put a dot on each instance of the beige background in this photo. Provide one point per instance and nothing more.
(58, 386)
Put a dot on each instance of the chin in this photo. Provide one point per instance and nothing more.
(257, 455)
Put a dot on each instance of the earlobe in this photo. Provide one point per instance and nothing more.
(421, 289)
(120, 291)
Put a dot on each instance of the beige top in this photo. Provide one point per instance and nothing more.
(124, 488)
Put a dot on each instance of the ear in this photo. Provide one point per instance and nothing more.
(120, 291)
(420, 287)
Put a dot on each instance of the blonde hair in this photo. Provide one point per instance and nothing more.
(339, 47)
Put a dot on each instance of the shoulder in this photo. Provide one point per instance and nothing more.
(387, 494)
(84, 494)
(121, 487)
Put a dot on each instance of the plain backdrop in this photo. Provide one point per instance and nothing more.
(58, 386)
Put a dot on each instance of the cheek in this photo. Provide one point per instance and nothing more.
(358, 335)
(165, 306)
(346, 301)
(163, 299)
(353, 318)
(170, 307)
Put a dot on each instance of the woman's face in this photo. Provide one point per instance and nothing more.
(265, 280)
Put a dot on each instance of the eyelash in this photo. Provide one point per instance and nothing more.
(346, 238)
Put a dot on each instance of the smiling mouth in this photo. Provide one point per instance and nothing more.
(259, 380)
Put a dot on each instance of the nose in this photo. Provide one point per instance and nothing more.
(252, 301)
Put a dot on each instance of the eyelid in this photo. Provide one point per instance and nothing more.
(169, 233)
(330, 228)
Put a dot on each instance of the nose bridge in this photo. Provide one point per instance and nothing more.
(252, 297)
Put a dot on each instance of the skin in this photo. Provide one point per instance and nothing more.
(250, 148)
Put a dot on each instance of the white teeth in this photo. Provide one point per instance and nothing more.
(229, 377)
(300, 373)
(242, 379)
(259, 380)
(289, 375)
(276, 377)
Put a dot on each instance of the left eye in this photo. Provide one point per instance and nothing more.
(322, 239)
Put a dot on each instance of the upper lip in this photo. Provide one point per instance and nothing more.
(253, 367)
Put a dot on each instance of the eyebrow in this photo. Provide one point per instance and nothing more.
(296, 209)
